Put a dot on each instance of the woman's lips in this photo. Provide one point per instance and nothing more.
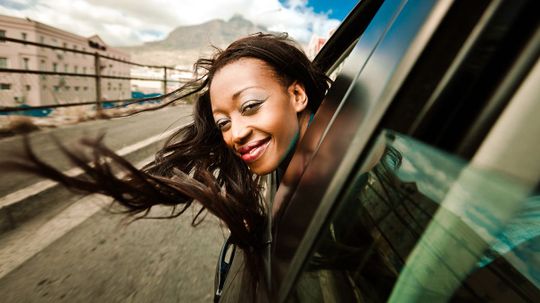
(254, 151)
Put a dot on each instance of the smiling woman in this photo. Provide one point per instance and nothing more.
(255, 100)
(259, 116)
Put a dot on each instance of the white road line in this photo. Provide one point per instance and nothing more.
(25, 242)
(38, 187)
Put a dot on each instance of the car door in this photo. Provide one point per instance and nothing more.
(412, 190)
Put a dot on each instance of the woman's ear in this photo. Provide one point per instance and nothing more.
(299, 97)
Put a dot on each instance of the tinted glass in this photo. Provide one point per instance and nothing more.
(421, 225)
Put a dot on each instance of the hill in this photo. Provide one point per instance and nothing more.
(186, 43)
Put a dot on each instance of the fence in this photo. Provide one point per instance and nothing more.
(65, 77)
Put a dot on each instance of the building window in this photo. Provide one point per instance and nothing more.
(66, 68)
(2, 35)
(41, 39)
(43, 67)
(84, 70)
(64, 45)
(76, 88)
(28, 87)
(3, 62)
(26, 63)
(75, 69)
(5, 86)
(55, 67)
(24, 36)
(85, 88)
(56, 88)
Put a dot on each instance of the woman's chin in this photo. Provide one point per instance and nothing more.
(261, 170)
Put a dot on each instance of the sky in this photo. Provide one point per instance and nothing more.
(129, 22)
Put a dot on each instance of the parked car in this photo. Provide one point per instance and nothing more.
(418, 179)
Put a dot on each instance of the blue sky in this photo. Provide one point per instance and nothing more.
(128, 22)
(338, 8)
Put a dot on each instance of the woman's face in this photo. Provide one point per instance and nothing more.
(256, 113)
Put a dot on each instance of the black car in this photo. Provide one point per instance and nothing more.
(418, 180)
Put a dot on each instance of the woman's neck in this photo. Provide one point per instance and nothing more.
(304, 119)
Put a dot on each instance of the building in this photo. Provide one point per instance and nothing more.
(33, 89)
(315, 44)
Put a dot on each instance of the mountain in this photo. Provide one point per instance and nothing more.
(187, 43)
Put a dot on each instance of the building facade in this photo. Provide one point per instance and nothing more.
(34, 89)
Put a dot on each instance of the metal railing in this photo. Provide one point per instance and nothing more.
(98, 65)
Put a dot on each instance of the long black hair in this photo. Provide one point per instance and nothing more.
(195, 164)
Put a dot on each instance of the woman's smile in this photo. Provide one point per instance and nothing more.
(253, 151)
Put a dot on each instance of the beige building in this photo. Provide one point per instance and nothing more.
(34, 89)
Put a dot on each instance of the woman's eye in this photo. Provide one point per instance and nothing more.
(251, 106)
(222, 124)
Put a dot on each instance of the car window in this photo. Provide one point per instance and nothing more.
(419, 224)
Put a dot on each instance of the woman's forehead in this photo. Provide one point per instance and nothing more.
(243, 66)
(240, 75)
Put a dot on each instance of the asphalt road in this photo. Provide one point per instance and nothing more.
(103, 260)
(120, 132)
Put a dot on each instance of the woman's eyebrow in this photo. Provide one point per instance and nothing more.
(238, 93)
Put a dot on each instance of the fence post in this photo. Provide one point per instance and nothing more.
(164, 80)
(97, 68)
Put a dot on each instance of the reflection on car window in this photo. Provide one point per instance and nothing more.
(422, 225)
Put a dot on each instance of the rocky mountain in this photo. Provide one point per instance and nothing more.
(186, 43)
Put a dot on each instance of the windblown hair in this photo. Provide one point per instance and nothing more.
(195, 164)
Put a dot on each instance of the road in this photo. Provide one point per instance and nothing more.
(120, 132)
(101, 258)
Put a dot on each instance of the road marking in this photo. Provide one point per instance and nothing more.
(38, 187)
(25, 242)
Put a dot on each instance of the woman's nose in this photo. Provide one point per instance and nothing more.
(240, 132)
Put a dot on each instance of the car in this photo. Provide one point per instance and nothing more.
(418, 179)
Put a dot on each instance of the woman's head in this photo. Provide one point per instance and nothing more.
(261, 90)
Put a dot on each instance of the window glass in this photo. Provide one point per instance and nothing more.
(420, 225)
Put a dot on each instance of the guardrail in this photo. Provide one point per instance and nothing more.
(97, 75)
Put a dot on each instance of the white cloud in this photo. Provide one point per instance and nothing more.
(128, 22)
